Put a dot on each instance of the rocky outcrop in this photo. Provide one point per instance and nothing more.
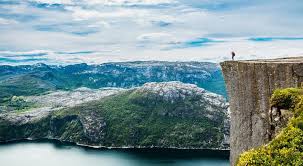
(175, 90)
(94, 126)
(70, 98)
(250, 85)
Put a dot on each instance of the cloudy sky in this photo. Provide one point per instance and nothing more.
(98, 31)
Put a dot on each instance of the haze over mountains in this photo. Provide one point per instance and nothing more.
(35, 79)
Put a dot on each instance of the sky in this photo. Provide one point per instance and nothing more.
(99, 31)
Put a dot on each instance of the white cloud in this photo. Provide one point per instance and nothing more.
(130, 2)
(7, 21)
(20, 53)
(83, 14)
(107, 2)
(143, 29)
(160, 37)
(66, 2)
(214, 53)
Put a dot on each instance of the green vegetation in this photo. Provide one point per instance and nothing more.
(22, 85)
(286, 98)
(18, 104)
(33, 129)
(138, 119)
(141, 117)
(287, 147)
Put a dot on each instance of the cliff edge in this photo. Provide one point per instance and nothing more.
(250, 83)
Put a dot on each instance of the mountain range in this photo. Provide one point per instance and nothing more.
(36, 79)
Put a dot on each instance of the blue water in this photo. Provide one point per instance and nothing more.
(51, 154)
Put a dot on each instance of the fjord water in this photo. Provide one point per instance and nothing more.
(51, 154)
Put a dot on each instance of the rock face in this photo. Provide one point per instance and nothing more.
(250, 85)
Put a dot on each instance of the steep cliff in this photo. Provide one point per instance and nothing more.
(250, 85)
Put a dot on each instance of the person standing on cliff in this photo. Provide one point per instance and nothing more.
(233, 54)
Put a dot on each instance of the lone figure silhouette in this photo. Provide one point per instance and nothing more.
(233, 54)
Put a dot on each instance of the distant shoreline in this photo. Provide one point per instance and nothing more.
(216, 153)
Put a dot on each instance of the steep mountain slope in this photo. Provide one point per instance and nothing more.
(169, 115)
(35, 79)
